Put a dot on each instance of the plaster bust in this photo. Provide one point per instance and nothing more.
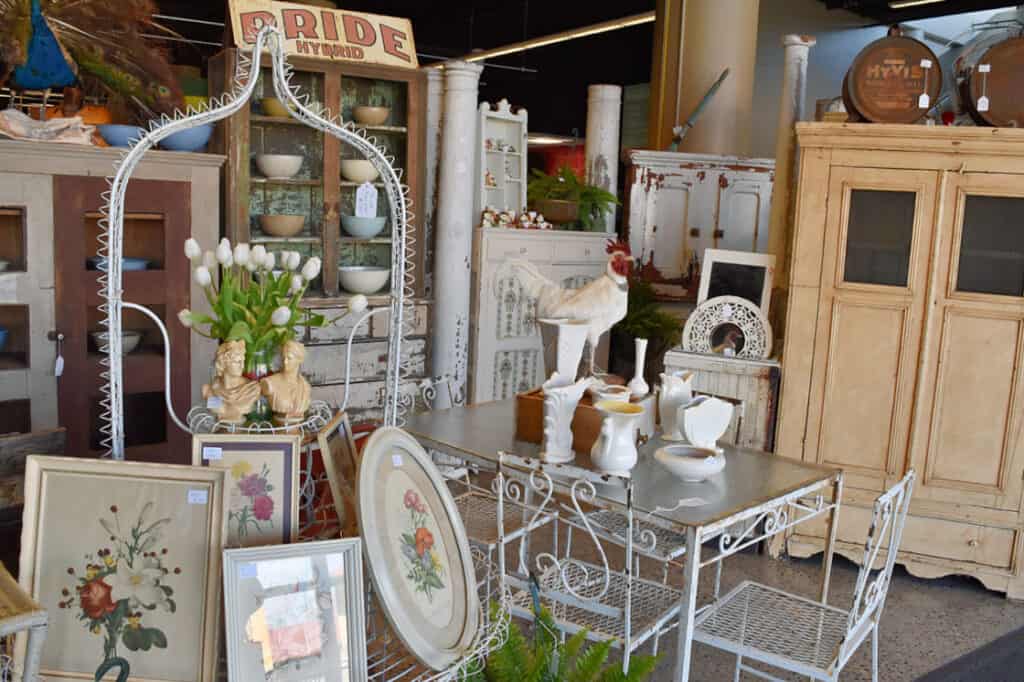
(237, 394)
(287, 391)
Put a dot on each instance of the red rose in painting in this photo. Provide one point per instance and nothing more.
(95, 598)
(411, 499)
(253, 485)
(424, 540)
(263, 507)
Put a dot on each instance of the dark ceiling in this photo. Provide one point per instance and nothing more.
(551, 81)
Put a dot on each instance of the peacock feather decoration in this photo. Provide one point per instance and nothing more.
(99, 43)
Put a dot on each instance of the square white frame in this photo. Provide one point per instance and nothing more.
(712, 256)
(355, 595)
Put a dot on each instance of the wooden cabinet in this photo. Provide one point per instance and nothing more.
(506, 355)
(904, 343)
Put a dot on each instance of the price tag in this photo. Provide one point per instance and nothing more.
(982, 103)
(211, 452)
(366, 201)
(924, 101)
(247, 571)
(984, 68)
(396, 461)
(214, 402)
(198, 496)
(926, 63)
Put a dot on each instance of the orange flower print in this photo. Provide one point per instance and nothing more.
(424, 540)
(95, 599)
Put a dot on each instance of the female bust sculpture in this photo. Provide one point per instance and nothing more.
(287, 391)
(236, 393)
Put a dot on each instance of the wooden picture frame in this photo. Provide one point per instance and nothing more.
(341, 462)
(126, 558)
(263, 588)
(737, 273)
(263, 484)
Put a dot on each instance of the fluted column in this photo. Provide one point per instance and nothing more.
(454, 239)
(435, 109)
(604, 110)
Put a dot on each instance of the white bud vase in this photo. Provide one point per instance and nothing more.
(614, 451)
(675, 392)
(638, 388)
(560, 400)
(570, 337)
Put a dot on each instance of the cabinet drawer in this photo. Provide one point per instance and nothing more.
(534, 251)
(926, 536)
(579, 251)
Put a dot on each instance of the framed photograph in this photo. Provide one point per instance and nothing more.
(737, 273)
(126, 558)
(338, 450)
(263, 484)
(296, 612)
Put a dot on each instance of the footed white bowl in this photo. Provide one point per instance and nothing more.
(363, 279)
(129, 340)
(690, 463)
(279, 166)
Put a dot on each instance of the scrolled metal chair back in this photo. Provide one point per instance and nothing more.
(888, 519)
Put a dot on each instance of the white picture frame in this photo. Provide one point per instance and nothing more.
(738, 273)
(263, 594)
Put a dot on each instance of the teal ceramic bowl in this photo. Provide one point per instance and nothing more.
(363, 228)
(117, 135)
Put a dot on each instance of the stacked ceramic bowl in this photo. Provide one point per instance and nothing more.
(363, 279)
(279, 166)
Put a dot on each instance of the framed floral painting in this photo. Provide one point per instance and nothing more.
(296, 612)
(263, 486)
(125, 557)
(338, 450)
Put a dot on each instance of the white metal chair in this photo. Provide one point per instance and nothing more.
(802, 635)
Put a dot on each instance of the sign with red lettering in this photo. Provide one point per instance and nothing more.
(327, 34)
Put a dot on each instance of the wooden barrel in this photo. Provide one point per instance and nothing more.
(994, 70)
(886, 80)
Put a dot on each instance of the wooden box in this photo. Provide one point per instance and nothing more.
(586, 422)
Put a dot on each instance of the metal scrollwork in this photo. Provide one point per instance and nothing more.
(584, 490)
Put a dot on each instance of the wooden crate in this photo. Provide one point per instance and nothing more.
(586, 421)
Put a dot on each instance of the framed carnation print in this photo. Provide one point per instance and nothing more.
(338, 450)
(263, 484)
(296, 612)
(126, 558)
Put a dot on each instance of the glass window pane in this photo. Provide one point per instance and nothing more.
(879, 233)
(992, 246)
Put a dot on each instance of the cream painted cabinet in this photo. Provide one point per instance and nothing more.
(904, 342)
(505, 354)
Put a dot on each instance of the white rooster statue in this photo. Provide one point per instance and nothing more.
(602, 302)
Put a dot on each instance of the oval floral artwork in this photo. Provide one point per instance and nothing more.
(120, 584)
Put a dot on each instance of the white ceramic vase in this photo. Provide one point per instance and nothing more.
(560, 400)
(614, 451)
(637, 386)
(570, 337)
(675, 392)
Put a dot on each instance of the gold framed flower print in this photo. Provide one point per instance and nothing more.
(263, 484)
(125, 557)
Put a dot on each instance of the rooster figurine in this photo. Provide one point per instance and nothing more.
(601, 303)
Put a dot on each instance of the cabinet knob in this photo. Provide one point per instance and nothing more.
(973, 542)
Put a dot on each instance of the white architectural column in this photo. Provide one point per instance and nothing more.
(454, 240)
(792, 107)
(435, 109)
(604, 112)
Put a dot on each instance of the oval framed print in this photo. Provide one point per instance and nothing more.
(416, 549)
(730, 326)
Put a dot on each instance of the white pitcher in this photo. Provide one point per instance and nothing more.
(675, 392)
(560, 400)
(614, 451)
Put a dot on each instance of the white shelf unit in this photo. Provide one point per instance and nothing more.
(499, 123)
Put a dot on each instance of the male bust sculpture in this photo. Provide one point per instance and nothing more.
(236, 393)
(287, 391)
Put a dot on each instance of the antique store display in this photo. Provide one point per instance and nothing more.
(416, 549)
(263, 489)
(988, 76)
(906, 292)
(729, 326)
(703, 420)
(561, 396)
(287, 391)
(231, 395)
(737, 273)
(563, 354)
(296, 610)
(674, 392)
(614, 451)
(125, 557)
(895, 79)
(500, 162)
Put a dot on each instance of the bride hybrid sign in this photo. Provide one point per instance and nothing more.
(320, 33)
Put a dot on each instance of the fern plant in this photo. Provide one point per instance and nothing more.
(565, 185)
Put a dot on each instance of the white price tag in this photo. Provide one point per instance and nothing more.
(211, 452)
(58, 366)
(926, 63)
(247, 571)
(396, 460)
(214, 402)
(366, 201)
(983, 103)
(984, 68)
(198, 496)
(924, 101)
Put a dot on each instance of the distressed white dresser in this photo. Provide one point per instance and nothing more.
(505, 349)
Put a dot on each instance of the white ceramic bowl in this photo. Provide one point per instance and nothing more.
(358, 170)
(282, 225)
(129, 340)
(363, 228)
(692, 464)
(363, 279)
(279, 166)
(370, 116)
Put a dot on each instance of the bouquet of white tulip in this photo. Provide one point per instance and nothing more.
(251, 303)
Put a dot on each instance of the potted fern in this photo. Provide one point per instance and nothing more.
(565, 199)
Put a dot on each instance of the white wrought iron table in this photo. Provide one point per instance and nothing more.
(759, 493)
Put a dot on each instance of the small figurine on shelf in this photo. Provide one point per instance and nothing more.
(510, 149)
(506, 218)
(489, 217)
(489, 180)
(231, 396)
(489, 144)
(524, 222)
(287, 391)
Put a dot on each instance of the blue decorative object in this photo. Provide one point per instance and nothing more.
(3, 338)
(47, 64)
(121, 135)
(127, 264)
(191, 140)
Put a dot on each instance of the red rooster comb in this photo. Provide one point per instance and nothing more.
(614, 245)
